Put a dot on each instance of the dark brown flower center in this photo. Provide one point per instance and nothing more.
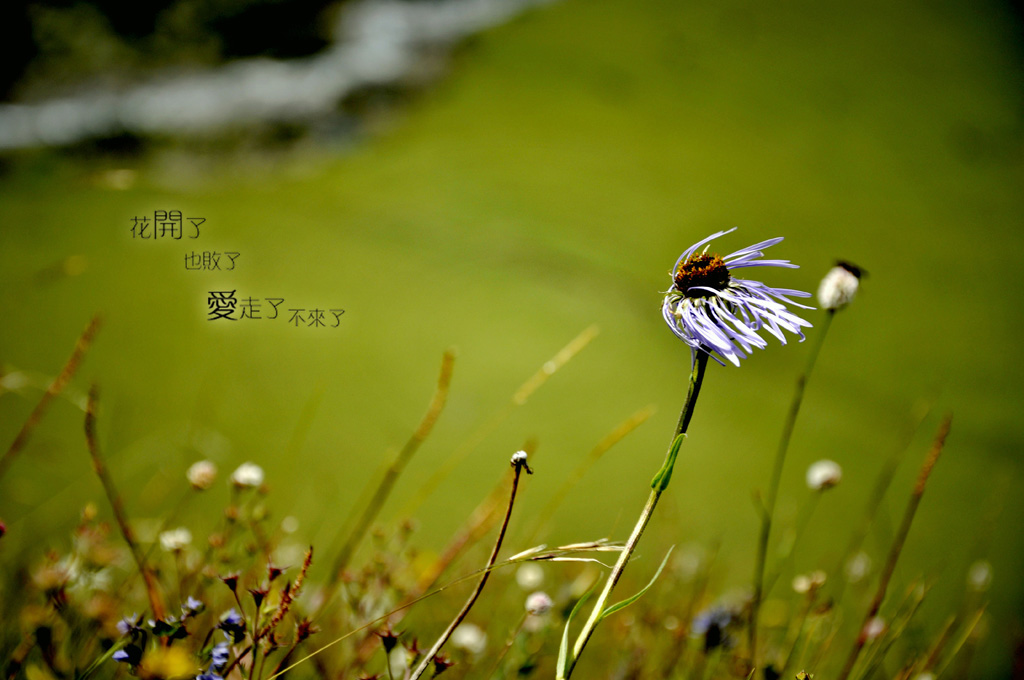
(702, 269)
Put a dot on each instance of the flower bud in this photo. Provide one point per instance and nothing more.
(823, 475)
(538, 603)
(175, 540)
(839, 286)
(201, 475)
(247, 475)
(469, 637)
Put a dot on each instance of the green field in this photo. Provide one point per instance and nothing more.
(547, 183)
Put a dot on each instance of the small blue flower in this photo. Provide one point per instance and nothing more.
(232, 618)
(714, 312)
(208, 676)
(220, 655)
(129, 624)
(192, 607)
(233, 626)
(712, 625)
(129, 654)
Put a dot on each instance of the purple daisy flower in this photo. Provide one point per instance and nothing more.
(712, 311)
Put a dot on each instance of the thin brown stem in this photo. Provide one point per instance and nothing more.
(488, 427)
(519, 464)
(380, 496)
(897, 545)
(56, 387)
(152, 588)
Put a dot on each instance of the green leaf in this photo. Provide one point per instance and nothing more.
(563, 649)
(661, 480)
(630, 600)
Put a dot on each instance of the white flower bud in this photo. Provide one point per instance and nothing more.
(858, 567)
(530, 576)
(247, 475)
(979, 576)
(538, 603)
(175, 540)
(470, 638)
(823, 475)
(874, 628)
(839, 286)
(201, 475)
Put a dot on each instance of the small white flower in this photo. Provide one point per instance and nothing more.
(175, 540)
(201, 475)
(839, 286)
(469, 637)
(874, 628)
(804, 583)
(979, 576)
(247, 475)
(530, 576)
(538, 603)
(519, 458)
(858, 567)
(823, 475)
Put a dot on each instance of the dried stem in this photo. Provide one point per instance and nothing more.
(519, 398)
(773, 487)
(56, 387)
(391, 475)
(700, 363)
(519, 464)
(289, 594)
(897, 545)
(152, 588)
(871, 508)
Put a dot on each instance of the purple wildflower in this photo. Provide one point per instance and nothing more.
(129, 654)
(220, 655)
(209, 675)
(233, 626)
(192, 607)
(130, 624)
(714, 312)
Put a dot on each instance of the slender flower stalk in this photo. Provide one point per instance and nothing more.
(773, 486)
(518, 465)
(700, 363)
(835, 292)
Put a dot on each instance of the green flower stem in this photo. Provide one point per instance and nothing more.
(773, 487)
(659, 484)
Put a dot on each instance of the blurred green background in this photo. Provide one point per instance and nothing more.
(546, 183)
